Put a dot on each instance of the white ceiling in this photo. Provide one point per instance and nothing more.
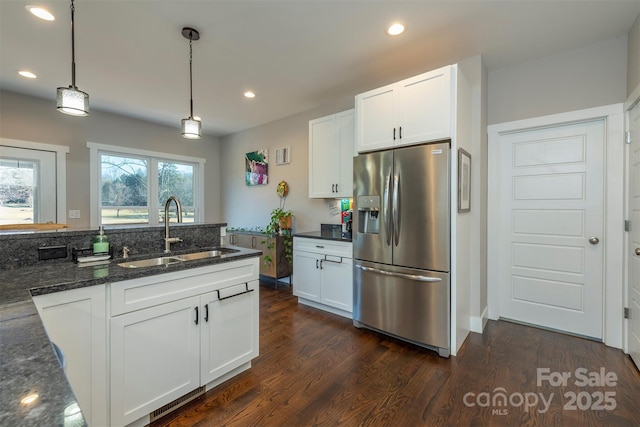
(296, 55)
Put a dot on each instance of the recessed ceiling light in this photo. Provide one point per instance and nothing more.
(395, 29)
(40, 12)
(249, 94)
(27, 74)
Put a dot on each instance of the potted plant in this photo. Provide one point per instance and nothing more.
(280, 224)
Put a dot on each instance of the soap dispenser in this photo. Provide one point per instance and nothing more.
(100, 243)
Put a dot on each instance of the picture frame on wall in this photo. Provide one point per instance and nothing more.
(282, 156)
(464, 181)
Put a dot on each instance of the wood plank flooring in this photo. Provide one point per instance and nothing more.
(316, 369)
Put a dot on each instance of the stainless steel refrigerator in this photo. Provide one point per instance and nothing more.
(401, 243)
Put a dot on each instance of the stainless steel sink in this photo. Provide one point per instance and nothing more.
(206, 254)
(151, 262)
(174, 259)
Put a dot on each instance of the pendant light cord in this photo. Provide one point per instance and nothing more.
(191, 74)
(73, 48)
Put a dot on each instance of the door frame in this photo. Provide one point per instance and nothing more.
(614, 188)
(631, 101)
(60, 152)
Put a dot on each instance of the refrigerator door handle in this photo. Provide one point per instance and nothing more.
(396, 209)
(386, 207)
(401, 275)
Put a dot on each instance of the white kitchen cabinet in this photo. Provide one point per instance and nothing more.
(412, 111)
(75, 320)
(155, 358)
(173, 333)
(323, 274)
(229, 337)
(331, 151)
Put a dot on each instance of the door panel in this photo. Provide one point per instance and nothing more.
(551, 204)
(424, 313)
(372, 233)
(634, 238)
(422, 235)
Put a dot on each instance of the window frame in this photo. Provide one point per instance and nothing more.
(95, 151)
(60, 152)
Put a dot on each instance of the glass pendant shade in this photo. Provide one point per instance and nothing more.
(72, 101)
(191, 128)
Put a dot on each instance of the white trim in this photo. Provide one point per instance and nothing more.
(146, 153)
(478, 323)
(61, 170)
(94, 175)
(614, 209)
(631, 101)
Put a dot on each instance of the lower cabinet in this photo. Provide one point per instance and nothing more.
(323, 274)
(206, 328)
(76, 322)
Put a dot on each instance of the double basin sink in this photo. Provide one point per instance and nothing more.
(174, 259)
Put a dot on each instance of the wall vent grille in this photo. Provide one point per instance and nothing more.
(172, 406)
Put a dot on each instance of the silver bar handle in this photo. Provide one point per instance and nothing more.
(401, 275)
(386, 206)
(396, 210)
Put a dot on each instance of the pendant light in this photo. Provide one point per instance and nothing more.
(190, 126)
(70, 100)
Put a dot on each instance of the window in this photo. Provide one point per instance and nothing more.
(132, 186)
(32, 182)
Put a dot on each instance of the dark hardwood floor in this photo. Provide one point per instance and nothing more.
(316, 369)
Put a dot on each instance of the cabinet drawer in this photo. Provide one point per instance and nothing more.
(136, 294)
(324, 247)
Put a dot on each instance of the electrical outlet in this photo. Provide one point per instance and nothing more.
(74, 214)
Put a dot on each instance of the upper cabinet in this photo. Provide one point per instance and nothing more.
(411, 111)
(331, 151)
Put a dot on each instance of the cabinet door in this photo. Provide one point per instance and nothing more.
(424, 107)
(376, 119)
(346, 134)
(76, 321)
(230, 326)
(324, 157)
(155, 358)
(306, 275)
(337, 282)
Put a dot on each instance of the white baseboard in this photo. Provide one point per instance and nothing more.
(477, 324)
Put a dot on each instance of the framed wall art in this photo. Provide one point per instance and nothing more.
(464, 181)
(256, 168)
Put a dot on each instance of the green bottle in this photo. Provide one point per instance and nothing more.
(100, 243)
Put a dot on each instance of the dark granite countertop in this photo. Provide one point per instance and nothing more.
(323, 236)
(28, 363)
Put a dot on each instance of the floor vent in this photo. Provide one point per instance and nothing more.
(172, 406)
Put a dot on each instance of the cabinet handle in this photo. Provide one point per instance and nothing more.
(321, 264)
(246, 291)
(400, 133)
(394, 134)
(336, 188)
(320, 246)
(316, 263)
(206, 312)
(197, 315)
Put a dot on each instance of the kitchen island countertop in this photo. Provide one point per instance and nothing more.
(29, 365)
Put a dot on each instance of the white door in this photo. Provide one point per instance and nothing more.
(551, 238)
(634, 238)
(306, 275)
(337, 282)
(376, 119)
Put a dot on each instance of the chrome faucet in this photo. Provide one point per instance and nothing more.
(169, 240)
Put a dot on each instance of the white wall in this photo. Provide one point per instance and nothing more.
(588, 77)
(37, 120)
(633, 56)
(245, 206)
